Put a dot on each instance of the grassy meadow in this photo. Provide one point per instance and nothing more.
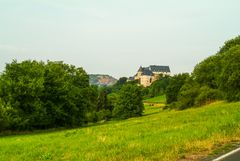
(158, 99)
(166, 135)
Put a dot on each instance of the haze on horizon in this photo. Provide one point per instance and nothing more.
(116, 37)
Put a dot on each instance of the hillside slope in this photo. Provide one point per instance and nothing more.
(158, 135)
(102, 80)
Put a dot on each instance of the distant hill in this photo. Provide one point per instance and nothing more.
(102, 80)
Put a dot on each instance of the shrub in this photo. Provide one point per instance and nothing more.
(91, 117)
(103, 115)
(208, 95)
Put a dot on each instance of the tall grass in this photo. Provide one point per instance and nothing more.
(158, 135)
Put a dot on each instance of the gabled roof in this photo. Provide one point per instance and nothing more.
(157, 68)
(146, 71)
(140, 69)
(153, 68)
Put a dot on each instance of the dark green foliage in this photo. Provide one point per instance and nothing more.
(208, 95)
(96, 116)
(102, 100)
(64, 96)
(129, 103)
(159, 86)
(117, 86)
(91, 117)
(92, 96)
(145, 93)
(217, 76)
(21, 88)
(207, 72)
(111, 101)
(45, 95)
(38, 95)
(103, 115)
(229, 44)
(221, 71)
(175, 84)
(187, 94)
(104, 106)
(230, 77)
(4, 122)
(121, 81)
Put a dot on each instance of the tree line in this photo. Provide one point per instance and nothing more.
(38, 95)
(215, 78)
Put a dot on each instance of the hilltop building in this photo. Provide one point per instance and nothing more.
(147, 75)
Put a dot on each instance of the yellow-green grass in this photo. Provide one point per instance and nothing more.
(158, 99)
(158, 135)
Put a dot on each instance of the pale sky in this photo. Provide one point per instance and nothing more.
(116, 36)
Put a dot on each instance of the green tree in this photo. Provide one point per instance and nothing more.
(118, 85)
(207, 95)
(129, 103)
(111, 100)
(187, 94)
(66, 88)
(175, 84)
(208, 71)
(230, 76)
(21, 88)
(4, 117)
(221, 71)
(229, 44)
(102, 99)
(45, 95)
(159, 86)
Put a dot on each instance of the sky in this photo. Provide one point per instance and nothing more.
(115, 37)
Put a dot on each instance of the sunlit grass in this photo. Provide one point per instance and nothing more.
(158, 135)
(158, 99)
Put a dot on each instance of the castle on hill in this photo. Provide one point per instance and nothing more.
(147, 75)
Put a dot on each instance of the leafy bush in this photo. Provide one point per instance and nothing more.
(91, 117)
(208, 95)
(103, 115)
(98, 116)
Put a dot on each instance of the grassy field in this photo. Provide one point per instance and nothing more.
(158, 99)
(158, 135)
